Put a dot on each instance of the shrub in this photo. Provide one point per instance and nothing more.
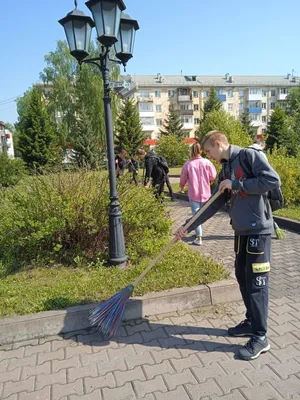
(226, 123)
(63, 218)
(288, 169)
(172, 148)
(11, 170)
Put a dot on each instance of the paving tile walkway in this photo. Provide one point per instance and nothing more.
(178, 356)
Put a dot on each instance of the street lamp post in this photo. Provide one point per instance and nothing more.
(114, 28)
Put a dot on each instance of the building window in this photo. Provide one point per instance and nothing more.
(255, 117)
(283, 105)
(242, 93)
(254, 91)
(147, 121)
(195, 93)
(144, 93)
(241, 106)
(253, 104)
(205, 93)
(230, 93)
(272, 106)
(196, 121)
(159, 122)
(184, 92)
(171, 93)
(264, 93)
(273, 92)
(158, 107)
(157, 93)
(284, 91)
(186, 119)
(264, 106)
(220, 91)
(196, 107)
(186, 106)
(230, 106)
(146, 106)
(264, 118)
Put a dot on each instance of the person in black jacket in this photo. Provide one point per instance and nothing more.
(153, 171)
(120, 162)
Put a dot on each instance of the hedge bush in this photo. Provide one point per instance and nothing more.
(11, 170)
(63, 218)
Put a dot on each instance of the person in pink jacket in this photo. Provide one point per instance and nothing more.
(197, 173)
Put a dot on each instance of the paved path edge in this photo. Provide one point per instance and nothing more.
(50, 323)
(284, 223)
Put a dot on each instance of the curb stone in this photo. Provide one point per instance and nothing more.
(50, 323)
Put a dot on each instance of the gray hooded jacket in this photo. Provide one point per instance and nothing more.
(250, 211)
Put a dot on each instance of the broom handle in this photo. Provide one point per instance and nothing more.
(174, 240)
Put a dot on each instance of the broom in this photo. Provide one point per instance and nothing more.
(280, 234)
(107, 316)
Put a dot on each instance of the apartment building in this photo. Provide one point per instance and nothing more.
(256, 94)
(6, 140)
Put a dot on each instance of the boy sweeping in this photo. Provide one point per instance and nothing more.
(252, 221)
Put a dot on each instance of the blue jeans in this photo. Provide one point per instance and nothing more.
(195, 206)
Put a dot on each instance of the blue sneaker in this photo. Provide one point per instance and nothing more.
(254, 347)
(242, 329)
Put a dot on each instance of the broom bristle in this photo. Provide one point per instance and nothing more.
(108, 316)
(280, 234)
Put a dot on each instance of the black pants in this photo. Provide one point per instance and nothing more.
(167, 179)
(158, 187)
(252, 266)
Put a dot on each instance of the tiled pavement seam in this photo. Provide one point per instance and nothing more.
(175, 356)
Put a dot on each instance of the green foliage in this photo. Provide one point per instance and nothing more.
(288, 169)
(288, 135)
(11, 170)
(222, 121)
(63, 218)
(293, 101)
(173, 124)
(43, 289)
(172, 148)
(212, 103)
(85, 143)
(129, 134)
(71, 87)
(275, 127)
(36, 133)
(246, 123)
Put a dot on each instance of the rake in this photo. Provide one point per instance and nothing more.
(107, 316)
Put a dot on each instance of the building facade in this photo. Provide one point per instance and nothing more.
(6, 140)
(256, 94)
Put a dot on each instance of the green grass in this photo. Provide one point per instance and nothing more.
(49, 288)
(176, 188)
(175, 170)
(292, 213)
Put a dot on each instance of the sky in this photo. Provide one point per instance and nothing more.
(192, 37)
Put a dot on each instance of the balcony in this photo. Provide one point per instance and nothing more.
(145, 99)
(256, 122)
(146, 114)
(254, 110)
(221, 97)
(282, 96)
(148, 127)
(188, 125)
(184, 97)
(186, 112)
(255, 97)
